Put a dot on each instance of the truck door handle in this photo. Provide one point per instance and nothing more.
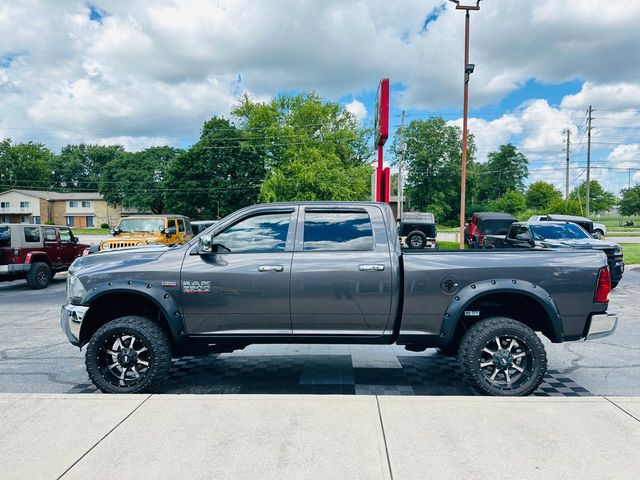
(271, 268)
(371, 267)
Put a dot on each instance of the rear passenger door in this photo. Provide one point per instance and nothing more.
(341, 272)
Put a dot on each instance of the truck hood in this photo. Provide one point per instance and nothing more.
(116, 258)
(587, 243)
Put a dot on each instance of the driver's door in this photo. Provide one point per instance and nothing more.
(243, 288)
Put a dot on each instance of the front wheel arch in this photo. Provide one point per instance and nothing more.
(109, 302)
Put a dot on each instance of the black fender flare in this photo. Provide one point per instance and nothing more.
(154, 293)
(465, 297)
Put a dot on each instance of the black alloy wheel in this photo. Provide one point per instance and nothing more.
(128, 355)
(39, 276)
(503, 357)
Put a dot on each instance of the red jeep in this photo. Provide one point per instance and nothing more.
(36, 252)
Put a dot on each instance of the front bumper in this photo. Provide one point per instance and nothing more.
(71, 317)
(602, 325)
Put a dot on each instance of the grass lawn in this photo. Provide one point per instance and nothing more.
(450, 245)
(90, 231)
(631, 253)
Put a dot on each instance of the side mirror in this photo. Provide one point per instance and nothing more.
(170, 231)
(204, 245)
(74, 240)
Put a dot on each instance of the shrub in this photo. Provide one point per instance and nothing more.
(104, 225)
(49, 222)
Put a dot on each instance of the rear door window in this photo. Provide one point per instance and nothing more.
(32, 234)
(337, 230)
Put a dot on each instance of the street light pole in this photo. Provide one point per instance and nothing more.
(468, 70)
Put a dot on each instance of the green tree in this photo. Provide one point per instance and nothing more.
(78, 167)
(136, 180)
(540, 194)
(216, 176)
(564, 207)
(512, 202)
(630, 202)
(505, 170)
(311, 175)
(600, 200)
(292, 133)
(433, 160)
(24, 165)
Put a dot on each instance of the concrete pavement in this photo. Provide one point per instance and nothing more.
(291, 436)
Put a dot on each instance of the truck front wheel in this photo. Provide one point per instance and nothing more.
(128, 355)
(502, 357)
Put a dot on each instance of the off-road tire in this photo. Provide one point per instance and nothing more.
(147, 331)
(38, 276)
(479, 336)
(419, 238)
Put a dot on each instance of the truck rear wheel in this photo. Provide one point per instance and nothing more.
(502, 357)
(128, 355)
(38, 276)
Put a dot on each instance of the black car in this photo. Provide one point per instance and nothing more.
(555, 235)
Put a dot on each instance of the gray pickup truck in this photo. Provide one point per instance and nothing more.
(329, 273)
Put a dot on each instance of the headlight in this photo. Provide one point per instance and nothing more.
(75, 289)
(105, 246)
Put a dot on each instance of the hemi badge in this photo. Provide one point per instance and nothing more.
(472, 313)
(168, 284)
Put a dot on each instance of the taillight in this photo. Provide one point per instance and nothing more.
(604, 286)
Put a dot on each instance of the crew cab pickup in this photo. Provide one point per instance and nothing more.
(565, 234)
(36, 252)
(329, 273)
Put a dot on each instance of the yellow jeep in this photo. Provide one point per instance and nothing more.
(138, 230)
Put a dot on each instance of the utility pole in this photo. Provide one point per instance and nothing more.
(587, 193)
(566, 188)
(403, 150)
(468, 70)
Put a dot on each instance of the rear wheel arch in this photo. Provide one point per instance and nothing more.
(520, 300)
(114, 302)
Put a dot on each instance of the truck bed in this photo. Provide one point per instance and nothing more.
(432, 278)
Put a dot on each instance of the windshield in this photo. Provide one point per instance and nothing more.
(568, 231)
(496, 227)
(5, 236)
(141, 225)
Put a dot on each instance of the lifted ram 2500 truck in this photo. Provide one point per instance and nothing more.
(329, 273)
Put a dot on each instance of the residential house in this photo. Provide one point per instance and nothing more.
(81, 210)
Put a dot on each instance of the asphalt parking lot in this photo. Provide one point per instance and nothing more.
(35, 357)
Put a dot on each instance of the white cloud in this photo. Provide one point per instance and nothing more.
(358, 110)
(489, 135)
(159, 68)
(625, 156)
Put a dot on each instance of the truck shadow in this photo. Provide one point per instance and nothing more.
(431, 374)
